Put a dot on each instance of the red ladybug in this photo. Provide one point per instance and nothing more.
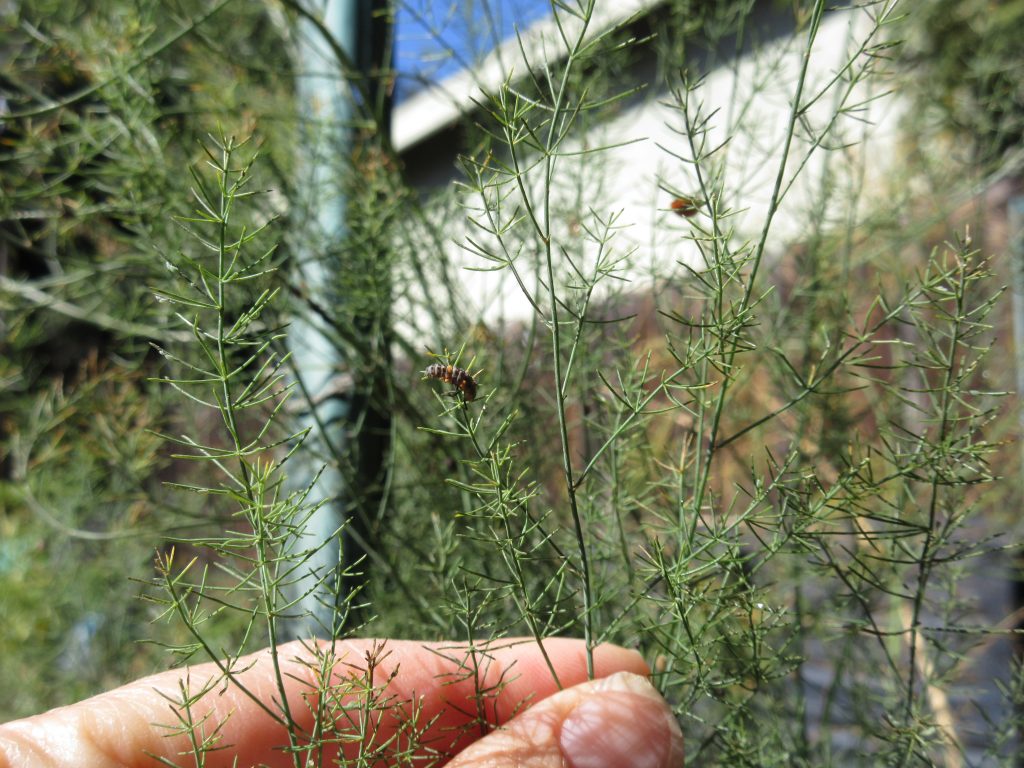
(686, 206)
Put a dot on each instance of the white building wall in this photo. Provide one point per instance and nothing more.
(749, 106)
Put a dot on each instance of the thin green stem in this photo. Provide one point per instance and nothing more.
(729, 346)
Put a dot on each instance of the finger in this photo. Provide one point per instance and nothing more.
(459, 691)
(608, 723)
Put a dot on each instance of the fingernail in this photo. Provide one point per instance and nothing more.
(622, 723)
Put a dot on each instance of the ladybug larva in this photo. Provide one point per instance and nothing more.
(457, 377)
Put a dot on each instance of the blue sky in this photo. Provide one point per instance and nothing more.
(436, 38)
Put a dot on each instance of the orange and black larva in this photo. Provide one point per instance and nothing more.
(457, 377)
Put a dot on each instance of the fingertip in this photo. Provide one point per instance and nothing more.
(621, 721)
(609, 659)
(606, 723)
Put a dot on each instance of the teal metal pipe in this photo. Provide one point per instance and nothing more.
(323, 393)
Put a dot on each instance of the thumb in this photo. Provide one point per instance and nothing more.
(614, 722)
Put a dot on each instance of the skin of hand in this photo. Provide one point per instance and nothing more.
(616, 720)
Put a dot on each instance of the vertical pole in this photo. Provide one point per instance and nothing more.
(333, 392)
(327, 105)
(1015, 222)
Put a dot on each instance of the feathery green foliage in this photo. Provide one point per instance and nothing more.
(771, 466)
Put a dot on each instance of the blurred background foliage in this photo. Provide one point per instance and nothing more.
(970, 58)
(105, 108)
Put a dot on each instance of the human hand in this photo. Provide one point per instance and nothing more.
(615, 720)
